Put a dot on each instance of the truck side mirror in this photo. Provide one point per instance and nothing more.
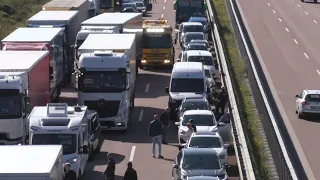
(167, 90)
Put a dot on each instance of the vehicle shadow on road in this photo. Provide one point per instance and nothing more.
(312, 118)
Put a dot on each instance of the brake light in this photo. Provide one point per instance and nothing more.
(305, 103)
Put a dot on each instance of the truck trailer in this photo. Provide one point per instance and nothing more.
(185, 9)
(106, 78)
(64, 19)
(42, 39)
(24, 83)
(43, 162)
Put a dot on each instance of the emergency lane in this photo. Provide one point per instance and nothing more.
(286, 43)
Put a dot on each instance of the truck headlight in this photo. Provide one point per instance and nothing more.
(166, 61)
(72, 160)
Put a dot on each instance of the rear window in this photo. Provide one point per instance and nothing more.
(313, 97)
(192, 28)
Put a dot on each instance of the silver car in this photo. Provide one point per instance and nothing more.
(308, 102)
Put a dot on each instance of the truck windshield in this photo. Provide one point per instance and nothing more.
(102, 81)
(153, 40)
(194, 85)
(10, 104)
(68, 141)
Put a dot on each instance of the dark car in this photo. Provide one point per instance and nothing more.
(95, 137)
(200, 103)
(198, 162)
(201, 20)
(129, 7)
(191, 36)
(197, 46)
(205, 42)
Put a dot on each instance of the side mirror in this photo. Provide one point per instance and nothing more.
(177, 123)
(85, 149)
(175, 166)
(167, 90)
(175, 41)
(178, 60)
(297, 96)
(221, 124)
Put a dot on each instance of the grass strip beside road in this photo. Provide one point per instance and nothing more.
(238, 69)
(14, 13)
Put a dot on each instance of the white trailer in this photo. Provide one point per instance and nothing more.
(43, 162)
(106, 77)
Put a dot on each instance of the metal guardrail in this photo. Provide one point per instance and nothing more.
(266, 109)
(243, 157)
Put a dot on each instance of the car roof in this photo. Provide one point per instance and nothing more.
(197, 18)
(198, 53)
(312, 91)
(191, 151)
(193, 33)
(199, 41)
(191, 24)
(197, 44)
(206, 133)
(198, 112)
(196, 100)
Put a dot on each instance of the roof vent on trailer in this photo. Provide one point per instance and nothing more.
(102, 53)
(57, 110)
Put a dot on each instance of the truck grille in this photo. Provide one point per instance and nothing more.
(104, 108)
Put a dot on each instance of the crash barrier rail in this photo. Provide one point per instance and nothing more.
(277, 135)
(241, 150)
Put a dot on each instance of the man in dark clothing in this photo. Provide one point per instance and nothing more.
(164, 118)
(223, 99)
(193, 126)
(155, 132)
(130, 174)
(69, 174)
(111, 168)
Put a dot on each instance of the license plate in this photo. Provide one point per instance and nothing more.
(315, 107)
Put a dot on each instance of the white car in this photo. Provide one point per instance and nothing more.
(205, 57)
(204, 120)
(308, 102)
(210, 140)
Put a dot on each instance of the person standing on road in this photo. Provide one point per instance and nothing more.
(192, 125)
(111, 168)
(130, 174)
(164, 118)
(223, 99)
(155, 132)
(69, 174)
(189, 132)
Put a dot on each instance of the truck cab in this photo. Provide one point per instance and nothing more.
(58, 123)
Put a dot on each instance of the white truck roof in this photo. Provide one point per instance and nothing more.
(188, 70)
(62, 4)
(110, 60)
(58, 115)
(26, 159)
(15, 61)
(99, 42)
(62, 16)
(12, 80)
(106, 19)
(32, 35)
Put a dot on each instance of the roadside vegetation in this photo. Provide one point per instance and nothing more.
(14, 13)
(238, 68)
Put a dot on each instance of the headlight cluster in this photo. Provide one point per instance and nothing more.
(72, 160)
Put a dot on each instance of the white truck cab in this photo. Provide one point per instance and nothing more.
(58, 123)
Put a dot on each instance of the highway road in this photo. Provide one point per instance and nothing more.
(286, 33)
(135, 145)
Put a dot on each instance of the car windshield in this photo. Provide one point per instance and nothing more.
(128, 5)
(205, 142)
(139, 4)
(68, 141)
(102, 81)
(313, 97)
(199, 120)
(157, 40)
(201, 161)
(194, 106)
(207, 73)
(197, 47)
(192, 28)
(195, 85)
(10, 104)
(190, 37)
(206, 60)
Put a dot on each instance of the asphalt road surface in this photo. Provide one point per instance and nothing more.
(286, 33)
(135, 145)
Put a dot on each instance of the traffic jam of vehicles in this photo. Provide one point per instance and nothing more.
(99, 52)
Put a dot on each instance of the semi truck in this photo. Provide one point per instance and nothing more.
(42, 162)
(71, 25)
(157, 44)
(106, 78)
(58, 123)
(42, 39)
(24, 83)
(185, 9)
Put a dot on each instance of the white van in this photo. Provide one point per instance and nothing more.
(187, 80)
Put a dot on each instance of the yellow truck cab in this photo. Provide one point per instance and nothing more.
(157, 45)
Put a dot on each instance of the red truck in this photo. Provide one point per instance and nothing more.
(42, 39)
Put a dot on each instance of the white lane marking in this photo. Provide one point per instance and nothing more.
(140, 116)
(147, 88)
(295, 41)
(274, 11)
(162, 15)
(287, 30)
(280, 19)
(318, 72)
(269, 4)
(306, 13)
(299, 5)
(164, 7)
(306, 55)
(315, 21)
(133, 150)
